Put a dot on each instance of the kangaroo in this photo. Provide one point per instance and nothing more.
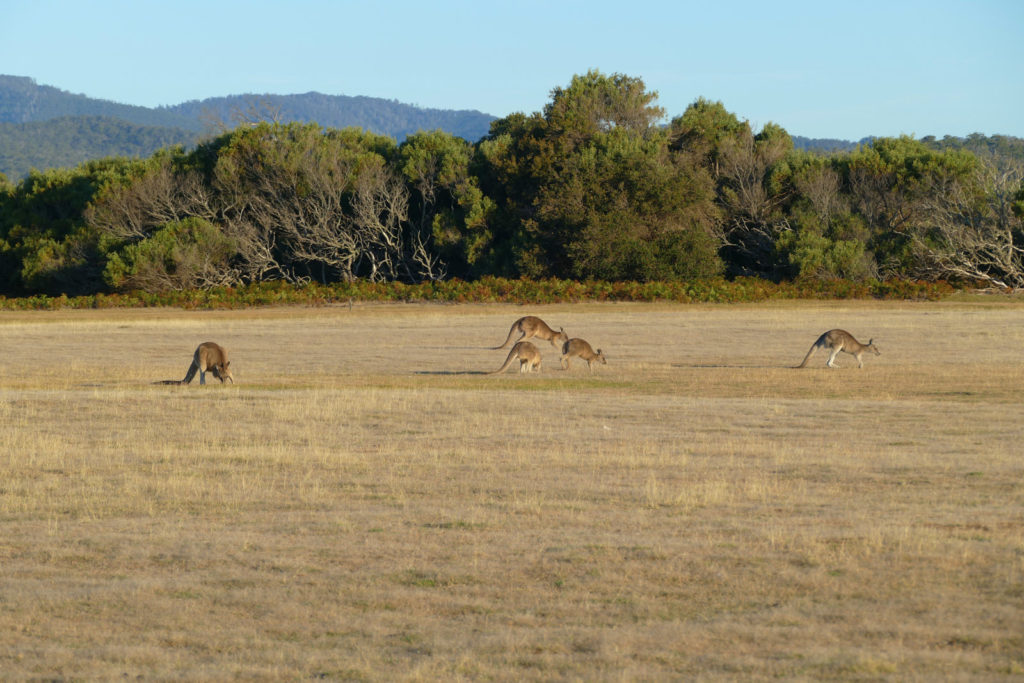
(579, 347)
(528, 355)
(532, 326)
(840, 340)
(208, 357)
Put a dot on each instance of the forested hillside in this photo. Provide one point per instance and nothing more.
(43, 127)
(593, 187)
(826, 146)
(70, 140)
(22, 100)
(384, 117)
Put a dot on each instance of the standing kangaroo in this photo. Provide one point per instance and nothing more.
(528, 355)
(532, 326)
(209, 357)
(840, 340)
(579, 347)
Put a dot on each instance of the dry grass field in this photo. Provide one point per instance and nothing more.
(366, 504)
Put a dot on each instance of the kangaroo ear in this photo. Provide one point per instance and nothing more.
(227, 363)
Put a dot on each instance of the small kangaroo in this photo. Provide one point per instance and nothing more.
(209, 357)
(579, 347)
(840, 340)
(528, 355)
(532, 326)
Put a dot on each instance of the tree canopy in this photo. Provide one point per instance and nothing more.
(597, 185)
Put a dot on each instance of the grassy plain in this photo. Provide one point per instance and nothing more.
(366, 504)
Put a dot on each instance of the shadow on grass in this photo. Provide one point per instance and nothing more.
(451, 372)
(730, 365)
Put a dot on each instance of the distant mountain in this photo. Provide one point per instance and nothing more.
(23, 101)
(70, 140)
(827, 145)
(385, 117)
(44, 127)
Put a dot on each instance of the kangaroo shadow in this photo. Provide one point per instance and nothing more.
(447, 347)
(451, 372)
(734, 366)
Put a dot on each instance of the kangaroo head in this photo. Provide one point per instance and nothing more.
(600, 357)
(873, 348)
(562, 336)
(223, 372)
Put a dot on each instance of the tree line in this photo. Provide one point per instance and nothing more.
(593, 187)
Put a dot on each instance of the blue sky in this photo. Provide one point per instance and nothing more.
(819, 69)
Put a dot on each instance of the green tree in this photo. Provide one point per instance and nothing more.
(823, 239)
(188, 254)
(748, 172)
(590, 188)
(641, 215)
(447, 207)
(512, 163)
(47, 244)
(890, 184)
(702, 130)
(594, 103)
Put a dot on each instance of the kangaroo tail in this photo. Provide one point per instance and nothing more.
(814, 347)
(511, 333)
(512, 355)
(169, 381)
(192, 370)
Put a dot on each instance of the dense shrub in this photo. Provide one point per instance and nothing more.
(186, 254)
(493, 290)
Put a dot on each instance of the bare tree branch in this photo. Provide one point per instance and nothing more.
(970, 230)
(161, 196)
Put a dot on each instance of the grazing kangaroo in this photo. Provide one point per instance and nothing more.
(209, 357)
(532, 326)
(579, 347)
(840, 340)
(528, 355)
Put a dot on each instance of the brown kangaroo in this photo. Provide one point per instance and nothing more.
(579, 347)
(840, 340)
(209, 357)
(528, 355)
(532, 326)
